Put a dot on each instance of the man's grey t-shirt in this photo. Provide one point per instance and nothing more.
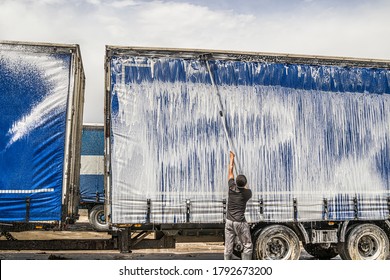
(238, 197)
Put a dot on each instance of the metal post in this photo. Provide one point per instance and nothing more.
(124, 236)
(326, 210)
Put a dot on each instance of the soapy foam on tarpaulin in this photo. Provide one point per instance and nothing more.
(55, 73)
(168, 146)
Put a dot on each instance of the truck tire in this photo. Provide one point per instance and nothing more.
(322, 251)
(276, 242)
(366, 242)
(97, 218)
(341, 246)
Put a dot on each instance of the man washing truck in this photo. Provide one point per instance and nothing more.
(236, 224)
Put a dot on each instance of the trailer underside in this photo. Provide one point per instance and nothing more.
(324, 240)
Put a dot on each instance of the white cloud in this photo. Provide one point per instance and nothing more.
(123, 3)
(94, 2)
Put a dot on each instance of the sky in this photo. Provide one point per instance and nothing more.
(348, 28)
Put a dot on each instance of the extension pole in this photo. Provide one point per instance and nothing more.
(237, 165)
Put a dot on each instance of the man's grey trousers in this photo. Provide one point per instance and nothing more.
(242, 231)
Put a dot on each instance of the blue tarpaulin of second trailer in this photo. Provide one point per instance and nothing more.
(92, 165)
(309, 133)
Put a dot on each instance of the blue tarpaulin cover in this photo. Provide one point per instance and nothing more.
(309, 137)
(34, 90)
(92, 164)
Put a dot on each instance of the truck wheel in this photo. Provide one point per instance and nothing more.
(97, 218)
(322, 251)
(341, 246)
(366, 242)
(277, 242)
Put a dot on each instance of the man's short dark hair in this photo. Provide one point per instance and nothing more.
(241, 181)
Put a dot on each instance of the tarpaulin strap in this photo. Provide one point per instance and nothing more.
(188, 210)
(97, 198)
(224, 209)
(148, 214)
(261, 204)
(222, 115)
(295, 206)
(326, 209)
(28, 205)
(355, 208)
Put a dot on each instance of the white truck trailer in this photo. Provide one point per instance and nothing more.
(310, 133)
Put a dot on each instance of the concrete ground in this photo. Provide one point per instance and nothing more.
(183, 251)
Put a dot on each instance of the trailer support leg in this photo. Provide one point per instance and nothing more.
(124, 236)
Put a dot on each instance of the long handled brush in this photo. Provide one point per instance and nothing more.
(222, 114)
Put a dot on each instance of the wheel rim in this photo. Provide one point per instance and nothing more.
(101, 218)
(277, 248)
(368, 246)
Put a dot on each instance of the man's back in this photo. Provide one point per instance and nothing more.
(238, 197)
